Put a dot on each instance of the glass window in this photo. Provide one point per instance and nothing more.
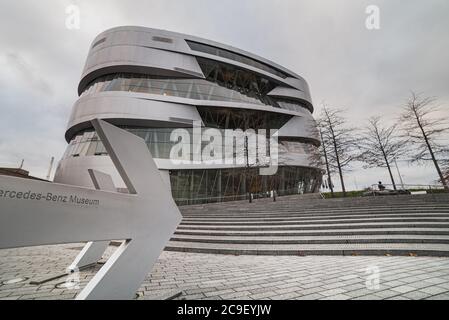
(223, 83)
(292, 105)
(216, 185)
(196, 46)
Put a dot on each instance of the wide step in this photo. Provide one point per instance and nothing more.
(397, 225)
(313, 249)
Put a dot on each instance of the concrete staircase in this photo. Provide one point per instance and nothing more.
(295, 225)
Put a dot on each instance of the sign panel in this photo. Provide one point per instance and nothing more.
(42, 213)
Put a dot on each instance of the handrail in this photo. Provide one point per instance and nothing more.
(237, 197)
(406, 187)
(402, 186)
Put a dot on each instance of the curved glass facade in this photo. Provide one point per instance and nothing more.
(202, 186)
(223, 82)
(198, 89)
(227, 118)
(220, 52)
(290, 105)
(158, 141)
(88, 143)
(213, 185)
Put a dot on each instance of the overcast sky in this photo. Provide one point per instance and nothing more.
(369, 72)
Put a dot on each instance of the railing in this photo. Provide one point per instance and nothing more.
(204, 200)
(407, 188)
(247, 196)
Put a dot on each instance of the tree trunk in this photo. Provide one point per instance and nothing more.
(329, 180)
(338, 163)
(435, 162)
(334, 142)
(339, 169)
(389, 169)
(391, 174)
(342, 181)
(382, 148)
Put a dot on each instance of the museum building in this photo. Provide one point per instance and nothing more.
(151, 82)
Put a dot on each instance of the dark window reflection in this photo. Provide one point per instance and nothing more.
(235, 57)
(223, 82)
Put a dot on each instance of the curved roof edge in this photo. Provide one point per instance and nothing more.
(196, 39)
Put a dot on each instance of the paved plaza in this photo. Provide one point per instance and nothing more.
(210, 276)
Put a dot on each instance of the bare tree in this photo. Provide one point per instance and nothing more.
(317, 152)
(380, 145)
(425, 129)
(339, 139)
(324, 150)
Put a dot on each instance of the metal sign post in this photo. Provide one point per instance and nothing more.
(41, 213)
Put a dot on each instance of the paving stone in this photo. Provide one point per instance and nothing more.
(287, 290)
(4, 294)
(198, 290)
(435, 280)
(332, 292)
(359, 292)
(334, 285)
(218, 292)
(394, 283)
(314, 296)
(399, 298)
(434, 290)
(403, 289)
(439, 297)
(337, 297)
(11, 298)
(416, 295)
(312, 284)
(444, 285)
(209, 276)
(385, 294)
(193, 296)
(247, 288)
(292, 284)
(420, 284)
(367, 297)
(213, 298)
(355, 286)
(263, 295)
(236, 295)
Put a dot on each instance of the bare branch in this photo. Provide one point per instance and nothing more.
(380, 145)
(424, 129)
(340, 140)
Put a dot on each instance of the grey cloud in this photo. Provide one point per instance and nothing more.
(28, 73)
(368, 72)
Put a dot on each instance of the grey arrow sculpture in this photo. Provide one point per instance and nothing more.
(40, 213)
(93, 251)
